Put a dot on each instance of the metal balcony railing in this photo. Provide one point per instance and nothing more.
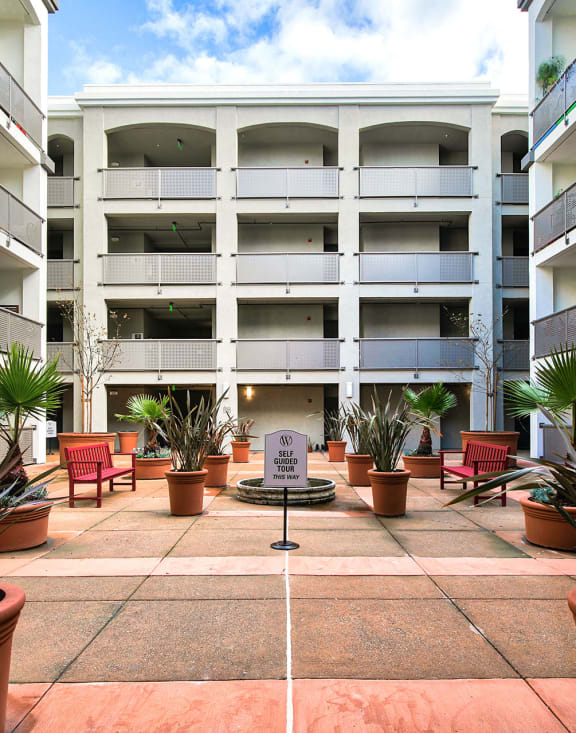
(301, 267)
(20, 108)
(515, 272)
(164, 355)
(440, 181)
(295, 183)
(19, 221)
(61, 191)
(556, 219)
(288, 354)
(60, 274)
(555, 105)
(15, 328)
(554, 331)
(159, 269)
(418, 353)
(159, 183)
(416, 267)
(26, 446)
(65, 351)
(553, 446)
(513, 188)
(516, 355)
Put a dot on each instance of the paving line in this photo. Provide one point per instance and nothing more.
(289, 688)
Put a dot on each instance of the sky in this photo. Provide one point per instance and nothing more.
(287, 41)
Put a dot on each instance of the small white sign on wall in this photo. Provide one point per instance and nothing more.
(286, 459)
(51, 429)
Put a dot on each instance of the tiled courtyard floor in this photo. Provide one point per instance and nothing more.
(444, 620)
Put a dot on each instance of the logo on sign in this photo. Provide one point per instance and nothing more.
(286, 440)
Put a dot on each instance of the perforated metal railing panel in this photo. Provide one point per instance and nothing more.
(554, 331)
(19, 106)
(555, 219)
(161, 269)
(516, 355)
(61, 191)
(293, 354)
(558, 100)
(441, 353)
(19, 221)
(287, 268)
(65, 352)
(60, 274)
(14, 328)
(287, 182)
(425, 267)
(514, 188)
(26, 445)
(164, 355)
(515, 272)
(437, 181)
(159, 183)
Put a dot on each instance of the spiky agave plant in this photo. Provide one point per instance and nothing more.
(358, 427)
(428, 405)
(388, 428)
(148, 411)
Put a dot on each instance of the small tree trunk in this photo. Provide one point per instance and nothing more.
(425, 445)
(15, 475)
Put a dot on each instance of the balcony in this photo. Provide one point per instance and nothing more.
(516, 355)
(159, 269)
(159, 183)
(416, 354)
(555, 105)
(442, 181)
(61, 191)
(60, 274)
(288, 354)
(416, 267)
(513, 188)
(554, 331)
(15, 328)
(185, 355)
(287, 183)
(515, 272)
(556, 219)
(19, 221)
(26, 446)
(20, 108)
(65, 352)
(302, 267)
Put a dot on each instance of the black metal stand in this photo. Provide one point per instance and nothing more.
(285, 543)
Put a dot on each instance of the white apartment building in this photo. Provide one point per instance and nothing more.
(23, 166)
(295, 245)
(552, 171)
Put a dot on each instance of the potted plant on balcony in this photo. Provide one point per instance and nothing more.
(359, 461)
(550, 510)
(28, 390)
(549, 72)
(187, 433)
(241, 443)
(92, 356)
(334, 425)
(427, 406)
(388, 428)
(153, 460)
(217, 460)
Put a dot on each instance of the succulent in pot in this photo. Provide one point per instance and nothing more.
(334, 426)
(427, 406)
(359, 461)
(241, 443)
(388, 428)
(217, 459)
(153, 460)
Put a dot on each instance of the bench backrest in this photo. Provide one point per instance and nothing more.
(486, 452)
(91, 453)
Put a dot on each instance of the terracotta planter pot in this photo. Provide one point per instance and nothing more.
(128, 442)
(572, 603)
(358, 467)
(389, 492)
(186, 491)
(336, 450)
(240, 451)
(422, 466)
(152, 468)
(12, 600)
(27, 526)
(497, 437)
(547, 528)
(71, 440)
(217, 467)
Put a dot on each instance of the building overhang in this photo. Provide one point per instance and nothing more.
(51, 5)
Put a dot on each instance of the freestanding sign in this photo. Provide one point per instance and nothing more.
(285, 466)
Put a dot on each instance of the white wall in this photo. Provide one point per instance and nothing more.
(11, 288)
(12, 48)
(563, 177)
(285, 155)
(400, 237)
(402, 154)
(404, 320)
(274, 320)
(564, 37)
(280, 238)
(11, 179)
(564, 287)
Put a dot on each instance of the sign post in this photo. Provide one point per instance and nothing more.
(285, 466)
(51, 433)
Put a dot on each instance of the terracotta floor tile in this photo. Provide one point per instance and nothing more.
(452, 543)
(150, 520)
(565, 566)
(85, 567)
(75, 519)
(386, 639)
(191, 587)
(76, 589)
(486, 566)
(21, 699)
(8, 565)
(560, 696)
(160, 707)
(428, 520)
(119, 543)
(353, 566)
(364, 586)
(537, 637)
(505, 586)
(427, 706)
(50, 635)
(187, 640)
(221, 565)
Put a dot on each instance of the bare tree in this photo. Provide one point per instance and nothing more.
(92, 354)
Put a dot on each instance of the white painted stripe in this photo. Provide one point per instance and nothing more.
(289, 690)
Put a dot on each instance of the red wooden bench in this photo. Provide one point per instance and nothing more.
(478, 458)
(92, 464)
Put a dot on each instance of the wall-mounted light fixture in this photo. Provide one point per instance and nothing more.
(349, 389)
(249, 393)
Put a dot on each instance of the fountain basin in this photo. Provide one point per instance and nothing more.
(318, 491)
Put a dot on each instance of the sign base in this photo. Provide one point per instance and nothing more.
(285, 545)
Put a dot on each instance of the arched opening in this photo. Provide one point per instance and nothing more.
(161, 146)
(61, 151)
(414, 144)
(287, 145)
(513, 147)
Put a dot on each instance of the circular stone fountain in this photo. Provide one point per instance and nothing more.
(318, 491)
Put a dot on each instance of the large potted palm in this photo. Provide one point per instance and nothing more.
(360, 461)
(427, 406)
(29, 390)
(389, 426)
(153, 460)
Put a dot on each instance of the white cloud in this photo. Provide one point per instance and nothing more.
(90, 70)
(252, 41)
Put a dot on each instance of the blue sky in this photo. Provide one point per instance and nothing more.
(265, 41)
